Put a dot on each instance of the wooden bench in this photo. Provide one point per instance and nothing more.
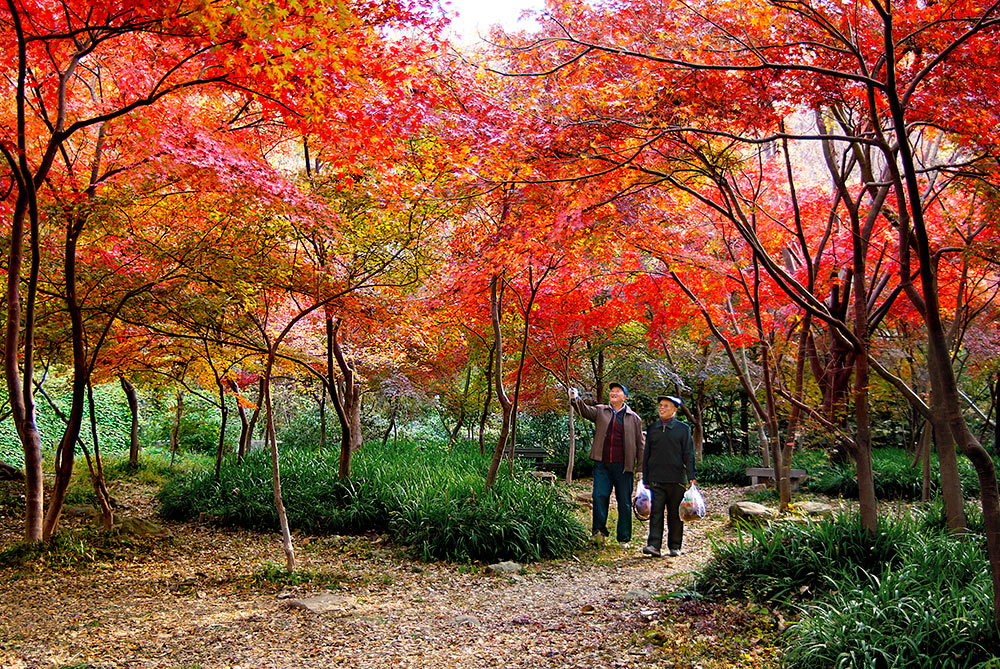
(536, 453)
(760, 475)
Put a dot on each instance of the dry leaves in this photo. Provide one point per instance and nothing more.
(194, 601)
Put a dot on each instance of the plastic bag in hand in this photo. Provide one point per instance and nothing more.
(642, 502)
(693, 505)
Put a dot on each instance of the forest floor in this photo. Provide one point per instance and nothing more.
(210, 597)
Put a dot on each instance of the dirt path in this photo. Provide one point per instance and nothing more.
(193, 602)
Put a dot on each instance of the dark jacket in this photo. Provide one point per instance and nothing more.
(602, 414)
(669, 454)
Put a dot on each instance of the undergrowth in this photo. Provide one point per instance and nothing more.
(424, 497)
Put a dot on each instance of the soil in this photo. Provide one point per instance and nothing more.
(211, 597)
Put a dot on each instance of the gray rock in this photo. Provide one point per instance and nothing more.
(506, 567)
(749, 512)
(140, 527)
(82, 511)
(320, 603)
(814, 508)
(637, 595)
(470, 621)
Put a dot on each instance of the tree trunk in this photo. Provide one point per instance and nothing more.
(496, 297)
(176, 427)
(8, 473)
(81, 380)
(322, 420)
(244, 423)
(133, 409)
(224, 410)
(279, 504)
(346, 399)
(461, 411)
(392, 422)
(97, 467)
(939, 359)
(571, 465)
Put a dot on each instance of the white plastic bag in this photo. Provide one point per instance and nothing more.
(693, 504)
(642, 502)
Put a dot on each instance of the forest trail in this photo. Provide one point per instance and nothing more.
(198, 600)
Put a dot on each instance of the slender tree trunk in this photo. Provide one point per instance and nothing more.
(224, 410)
(571, 463)
(133, 409)
(20, 390)
(461, 411)
(81, 380)
(322, 420)
(246, 437)
(392, 422)
(279, 504)
(346, 399)
(534, 287)
(244, 423)
(496, 296)
(8, 473)
(176, 427)
(944, 442)
(97, 479)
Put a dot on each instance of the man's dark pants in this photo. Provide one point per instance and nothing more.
(666, 496)
(608, 476)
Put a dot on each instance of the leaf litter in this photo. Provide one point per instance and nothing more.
(214, 597)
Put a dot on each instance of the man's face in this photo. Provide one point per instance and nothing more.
(617, 396)
(667, 409)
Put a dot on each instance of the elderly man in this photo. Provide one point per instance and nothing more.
(667, 463)
(617, 449)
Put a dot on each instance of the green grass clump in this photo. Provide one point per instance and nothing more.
(789, 562)
(894, 473)
(75, 551)
(908, 596)
(726, 469)
(424, 497)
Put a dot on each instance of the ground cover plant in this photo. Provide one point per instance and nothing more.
(896, 475)
(424, 497)
(911, 595)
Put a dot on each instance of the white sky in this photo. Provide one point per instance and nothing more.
(476, 16)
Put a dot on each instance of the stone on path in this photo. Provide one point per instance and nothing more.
(505, 567)
(321, 603)
(750, 512)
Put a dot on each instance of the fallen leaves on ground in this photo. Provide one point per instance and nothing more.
(212, 597)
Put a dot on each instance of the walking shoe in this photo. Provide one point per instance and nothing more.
(674, 552)
(650, 550)
(597, 539)
(624, 545)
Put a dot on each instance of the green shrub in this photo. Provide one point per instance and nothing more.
(424, 497)
(894, 474)
(787, 562)
(110, 407)
(934, 610)
(908, 596)
(726, 469)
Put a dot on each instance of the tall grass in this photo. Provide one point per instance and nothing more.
(909, 596)
(895, 477)
(424, 497)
